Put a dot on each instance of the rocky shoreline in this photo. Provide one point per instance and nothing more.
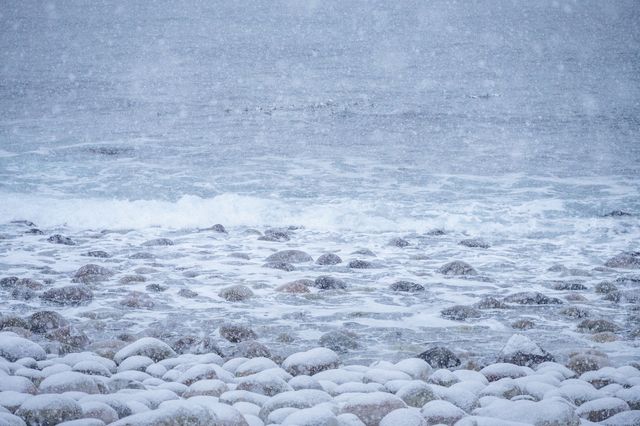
(292, 326)
(148, 383)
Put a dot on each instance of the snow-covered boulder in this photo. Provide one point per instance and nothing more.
(265, 382)
(416, 393)
(520, 350)
(17, 384)
(49, 409)
(369, 407)
(404, 417)
(501, 370)
(444, 412)
(210, 387)
(551, 412)
(69, 381)
(147, 346)
(8, 419)
(13, 348)
(314, 416)
(311, 362)
(305, 398)
(99, 410)
(600, 409)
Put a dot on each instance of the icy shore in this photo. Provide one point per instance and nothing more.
(147, 383)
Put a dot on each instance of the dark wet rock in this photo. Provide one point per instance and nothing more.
(137, 300)
(43, 321)
(189, 294)
(8, 282)
(98, 253)
(613, 296)
(15, 282)
(440, 357)
(626, 260)
(275, 235)
(128, 279)
(236, 293)
(407, 286)
(290, 256)
(532, 298)
(605, 287)
(628, 279)
(9, 320)
(631, 296)
(236, 333)
(587, 361)
(569, 285)
(360, 264)
(604, 337)
(597, 326)
(71, 295)
(364, 252)
(457, 268)
(575, 312)
(460, 313)
(523, 324)
(156, 288)
(34, 231)
(250, 349)
(474, 243)
(92, 273)
(244, 256)
(73, 338)
(329, 259)
(158, 242)
(558, 268)
(617, 213)
(295, 287)
(61, 239)
(283, 266)
(216, 228)
(142, 255)
(195, 345)
(436, 232)
(339, 340)
(23, 222)
(23, 293)
(489, 302)
(399, 242)
(326, 282)
(520, 350)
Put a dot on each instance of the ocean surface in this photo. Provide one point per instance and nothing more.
(356, 122)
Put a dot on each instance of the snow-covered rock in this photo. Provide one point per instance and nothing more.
(600, 409)
(311, 362)
(305, 398)
(13, 347)
(69, 381)
(210, 387)
(147, 346)
(416, 393)
(369, 407)
(264, 382)
(520, 350)
(315, 416)
(444, 412)
(404, 417)
(17, 384)
(49, 409)
(550, 412)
